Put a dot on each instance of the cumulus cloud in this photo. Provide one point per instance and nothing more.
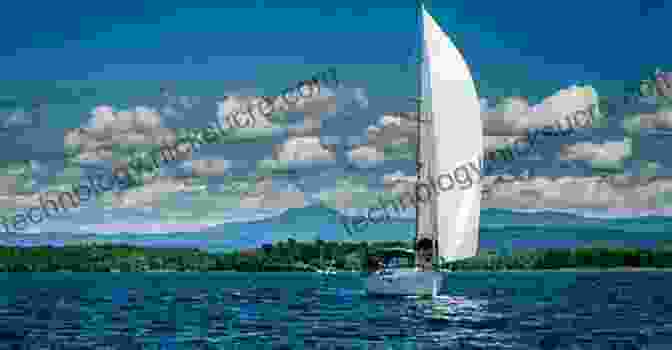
(199, 201)
(366, 154)
(152, 193)
(317, 109)
(311, 126)
(106, 121)
(492, 143)
(400, 129)
(526, 192)
(504, 125)
(20, 200)
(210, 167)
(392, 129)
(11, 199)
(579, 192)
(302, 149)
(513, 115)
(558, 106)
(661, 119)
(324, 102)
(329, 103)
(233, 104)
(504, 118)
(313, 108)
(8, 184)
(391, 180)
(108, 128)
(608, 151)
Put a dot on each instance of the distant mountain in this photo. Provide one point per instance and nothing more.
(306, 224)
(498, 227)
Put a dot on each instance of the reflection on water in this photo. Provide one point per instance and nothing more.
(294, 311)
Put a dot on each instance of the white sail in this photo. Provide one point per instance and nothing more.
(452, 138)
(456, 135)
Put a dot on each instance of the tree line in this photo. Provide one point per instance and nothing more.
(565, 258)
(293, 255)
(287, 255)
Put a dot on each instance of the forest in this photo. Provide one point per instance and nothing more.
(294, 255)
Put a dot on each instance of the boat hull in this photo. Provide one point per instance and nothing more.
(403, 283)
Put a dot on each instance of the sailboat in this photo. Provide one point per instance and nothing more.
(447, 223)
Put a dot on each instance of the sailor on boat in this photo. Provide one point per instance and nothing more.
(425, 253)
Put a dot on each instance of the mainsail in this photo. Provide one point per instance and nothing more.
(453, 137)
(448, 139)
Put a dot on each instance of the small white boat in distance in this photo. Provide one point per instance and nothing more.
(447, 227)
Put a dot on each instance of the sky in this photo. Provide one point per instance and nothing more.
(542, 48)
(78, 57)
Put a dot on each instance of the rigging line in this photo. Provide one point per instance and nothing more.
(419, 109)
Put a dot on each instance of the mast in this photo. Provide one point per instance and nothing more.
(418, 101)
(425, 213)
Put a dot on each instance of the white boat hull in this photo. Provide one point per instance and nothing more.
(404, 282)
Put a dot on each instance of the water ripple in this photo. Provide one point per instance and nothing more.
(497, 311)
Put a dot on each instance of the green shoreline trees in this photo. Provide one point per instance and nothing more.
(294, 255)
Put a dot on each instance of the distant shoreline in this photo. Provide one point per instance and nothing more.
(295, 256)
(614, 269)
(358, 272)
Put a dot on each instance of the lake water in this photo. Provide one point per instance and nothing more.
(527, 310)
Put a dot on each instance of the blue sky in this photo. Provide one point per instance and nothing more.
(85, 54)
(541, 47)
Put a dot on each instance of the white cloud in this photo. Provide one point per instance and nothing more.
(608, 151)
(397, 177)
(513, 116)
(302, 149)
(210, 167)
(579, 192)
(366, 154)
(152, 193)
(109, 127)
(661, 119)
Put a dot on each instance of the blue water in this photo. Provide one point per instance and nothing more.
(527, 310)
